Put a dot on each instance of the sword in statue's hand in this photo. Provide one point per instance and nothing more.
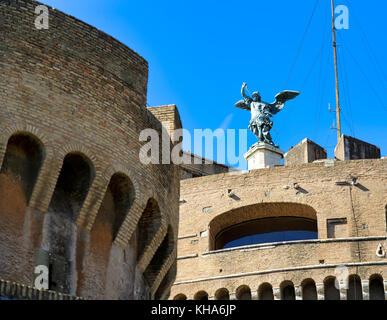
(245, 85)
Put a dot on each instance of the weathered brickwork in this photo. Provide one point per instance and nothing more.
(350, 148)
(80, 95)
(324, 191)
(75, 197)
(199, 166)
(306, 151)
(15, 291)
(170, 115)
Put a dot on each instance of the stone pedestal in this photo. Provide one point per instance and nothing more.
(263, 155)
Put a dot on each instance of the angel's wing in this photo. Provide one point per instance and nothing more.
(280, 100)
(243, 105)
(286, 95)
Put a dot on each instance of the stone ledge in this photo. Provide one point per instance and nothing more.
(16, 291)
(187, 236)
(275, 244)
(189, 256)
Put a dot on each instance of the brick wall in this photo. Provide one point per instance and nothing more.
(305, 152)
(78, 90)
(323, 187)
(350, 148)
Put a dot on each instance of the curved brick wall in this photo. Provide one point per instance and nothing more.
(76, 91)
(304, 267)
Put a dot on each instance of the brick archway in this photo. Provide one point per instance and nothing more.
(260, 218)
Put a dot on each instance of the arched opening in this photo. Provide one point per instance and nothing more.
(23, 158)
(201, 295)
(168, 279)
(265, 292)
(222, 294)
(376, 288)
(73, 184)
(263, 223)
(116, 203)
(160, 257)
(22, 162)
(309, 291)
(180, 296)
(287, 291)
(355, 291)
(149, 224)
(330, 290)
(74, 181)
(118, 199)
(243, 293)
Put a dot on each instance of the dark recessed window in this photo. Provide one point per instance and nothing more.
(272, 237)
(267, 230)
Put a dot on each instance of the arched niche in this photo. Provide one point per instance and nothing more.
(266, 221)
(22, 161)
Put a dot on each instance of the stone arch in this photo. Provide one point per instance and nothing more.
(265, 291)
(355, 290)
(309, 291)
(376, 287)
(260, 218)
(287, 290)
(222, 294)
(243, 292)
(201, 295)
(74, 181)
(163, 252)
(118, 168)
(118, 199)
(163, 290)
(149, 224)
(24, 127)
(94, 260)
(165, 268)
(57, 166)
(180, 296)
(128, 226)
(60, 230)
(129, 231)
(331, 292)
(70, 148)
(23, 159)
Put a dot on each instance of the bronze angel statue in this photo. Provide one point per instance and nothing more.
(260, 123)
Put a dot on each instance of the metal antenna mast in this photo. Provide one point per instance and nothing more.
(336, 76)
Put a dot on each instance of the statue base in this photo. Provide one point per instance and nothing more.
(263, 155)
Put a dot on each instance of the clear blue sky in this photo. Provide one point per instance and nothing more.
(199, 53)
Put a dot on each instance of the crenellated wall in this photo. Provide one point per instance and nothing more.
(73, 193)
